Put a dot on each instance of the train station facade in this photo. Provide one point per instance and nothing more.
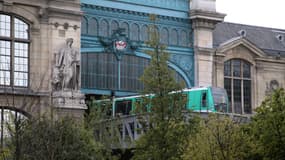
(248, 61)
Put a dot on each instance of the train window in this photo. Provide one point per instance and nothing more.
(185, 99)
(204, 99)
(123, 107)
(220, 99)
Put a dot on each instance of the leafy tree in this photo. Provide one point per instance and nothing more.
(47, 139)
(219, 138)
(167, 129)
(268, 126)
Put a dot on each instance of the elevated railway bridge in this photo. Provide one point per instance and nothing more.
(121, 132)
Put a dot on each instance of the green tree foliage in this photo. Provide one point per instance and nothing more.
(167, 128)
(218, 138)
(46, 139)
(4, 153)
(100, 120)
(268, 126)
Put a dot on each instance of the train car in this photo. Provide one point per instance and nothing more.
(200, 99)
(207, 99)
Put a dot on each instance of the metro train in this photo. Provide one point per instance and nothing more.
(199, 99)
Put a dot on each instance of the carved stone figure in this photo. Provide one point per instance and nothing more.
(67, 68)
(273, 85)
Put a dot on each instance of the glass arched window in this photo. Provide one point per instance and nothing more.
(164, 36)
(237, 82)
(14, 51)
(84, 25)
(7, 120)
(183, 38)
(114, 26)
(125, 25)
(104, 28)
(93, 27)
(135, 32)
(174, 37)
(144, 33)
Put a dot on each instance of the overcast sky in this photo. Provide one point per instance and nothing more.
(254, 12)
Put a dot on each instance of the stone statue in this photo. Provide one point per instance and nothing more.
(67, 68)
(66, 95)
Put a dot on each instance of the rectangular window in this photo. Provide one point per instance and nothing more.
(21, 29)
(247, 96)
(228, 87)
(237, 82)
(237, 96)
(20, 79)
(246, 70)
(5, 25)
(21, 64)
(5, 62)
(123, 107)
(14, 51)
(4, 78)
(236, 68)
(99, 71)
(227, 68)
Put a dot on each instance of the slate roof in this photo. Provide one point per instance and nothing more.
(264, 38)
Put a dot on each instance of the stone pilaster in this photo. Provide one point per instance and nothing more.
(204, 18)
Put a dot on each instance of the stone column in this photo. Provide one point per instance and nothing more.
(204, 18)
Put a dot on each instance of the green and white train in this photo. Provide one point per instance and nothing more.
(200, 99)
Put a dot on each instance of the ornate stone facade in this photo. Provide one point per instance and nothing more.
(202, 53)
(248, 61)
(257, 46)
(48, 23)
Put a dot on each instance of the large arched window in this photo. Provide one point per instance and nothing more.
(7, 122)
(237, 82)
(14, 51)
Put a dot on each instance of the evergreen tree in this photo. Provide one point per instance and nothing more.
(167, 129)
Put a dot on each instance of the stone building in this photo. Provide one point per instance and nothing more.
(31, 32)
(248, 61)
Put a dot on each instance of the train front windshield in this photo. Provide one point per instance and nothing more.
(220, 99)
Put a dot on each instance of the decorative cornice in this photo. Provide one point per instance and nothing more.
(128, 12)
(272, 60)
(22, 92)
(205, 19)
(179, 5)
(64, 13)
(204, 51)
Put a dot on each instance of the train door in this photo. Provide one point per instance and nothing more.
(194, 100)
